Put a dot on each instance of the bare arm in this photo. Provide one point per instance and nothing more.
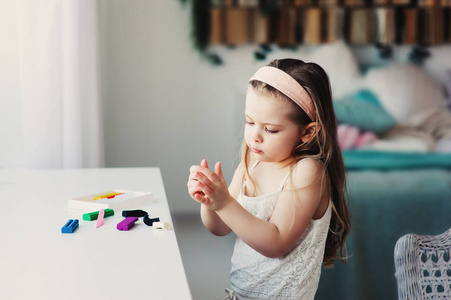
(295, 208)
(210, 218)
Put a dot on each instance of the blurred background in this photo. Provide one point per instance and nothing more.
(139, 83)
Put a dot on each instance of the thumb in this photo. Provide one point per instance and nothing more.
(204, 163)
(218, 170)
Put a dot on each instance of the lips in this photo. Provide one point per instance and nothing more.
(256, 150)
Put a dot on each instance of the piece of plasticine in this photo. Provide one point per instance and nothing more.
(109, 196)
(127, 223)
(93, 215)
(70, 226)
(149, 222)
(161, 225)
(134, 213)
(100, 218)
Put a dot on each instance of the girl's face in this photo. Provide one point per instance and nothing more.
(270, 135)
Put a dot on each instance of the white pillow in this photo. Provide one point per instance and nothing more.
(335, 58)
(340, 64)
(438, 63)
(407, 92)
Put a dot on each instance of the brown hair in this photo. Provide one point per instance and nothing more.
(323, 146)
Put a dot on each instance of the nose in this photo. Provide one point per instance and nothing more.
(256, 136)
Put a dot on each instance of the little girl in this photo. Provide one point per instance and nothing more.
(286, 201)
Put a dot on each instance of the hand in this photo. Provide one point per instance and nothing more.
(193, 184)
(193, 188)
(208, 187)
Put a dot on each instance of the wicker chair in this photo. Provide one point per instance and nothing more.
(423, 266)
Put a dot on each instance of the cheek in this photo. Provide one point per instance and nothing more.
(246, 134)
(288, 144)
(247, 138)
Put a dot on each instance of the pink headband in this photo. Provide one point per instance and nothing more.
(286, 84)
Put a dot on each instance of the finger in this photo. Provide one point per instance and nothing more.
(198, 176)
(195, 193)
(218, 170)
(197, 168)
(204, 163)
(205, 189)
(192, 176)
(199, 195)
(208, 173)
(193, 169)
(192, 184)
(193, 187)
(201, 199)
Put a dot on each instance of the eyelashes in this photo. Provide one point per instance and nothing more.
(271, 131)
(266, 129)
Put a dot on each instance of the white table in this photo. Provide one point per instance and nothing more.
(37, 261)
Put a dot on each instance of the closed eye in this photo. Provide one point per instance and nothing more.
(248, 123)
(271, 131)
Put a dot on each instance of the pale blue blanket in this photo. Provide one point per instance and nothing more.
(385, 160)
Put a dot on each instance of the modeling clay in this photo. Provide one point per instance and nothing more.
(149, 222)
(127, 223)
(161, 225)
(70, 226)
(100, 218)
(134, 213)
(93, 215)
(109, 196)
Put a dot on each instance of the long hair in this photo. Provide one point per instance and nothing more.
(323, 146)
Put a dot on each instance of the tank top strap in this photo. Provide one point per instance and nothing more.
(253, 167)
(285, 179)
(288, 175)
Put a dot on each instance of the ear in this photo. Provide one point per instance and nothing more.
(310, 130)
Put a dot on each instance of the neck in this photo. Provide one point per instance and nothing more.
(279, 165)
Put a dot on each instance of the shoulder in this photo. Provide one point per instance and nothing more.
(308, 171)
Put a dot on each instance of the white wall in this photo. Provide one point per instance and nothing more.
(10, 111)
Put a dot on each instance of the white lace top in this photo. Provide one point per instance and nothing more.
(295, 275)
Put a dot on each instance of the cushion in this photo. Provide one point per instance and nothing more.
(406, 92)
(340, 64)
(363, 110)
(350, 137)
(337, 59)
(438, 64)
